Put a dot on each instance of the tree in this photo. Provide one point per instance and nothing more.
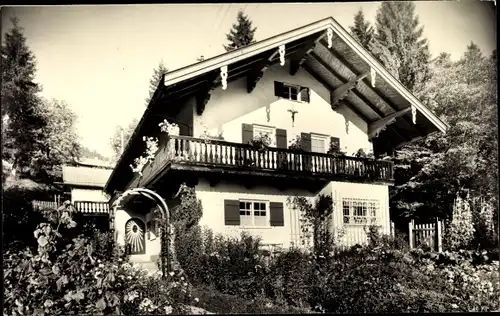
(399, 46)
(241, 34)
(430, 173)
(116, 139)
(155, 80)
(362, 30)
(22, 117)
(59, 143)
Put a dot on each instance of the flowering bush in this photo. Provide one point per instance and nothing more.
(71, 279)
(460, 232)
(151, 149)
(169, 128)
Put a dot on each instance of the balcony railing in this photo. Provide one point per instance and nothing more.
(215, 153)
(91, 207)
(85, 207)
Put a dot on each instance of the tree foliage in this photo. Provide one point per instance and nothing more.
(155, 80)
(431, 172)
(241, 34)
(116, 139)
(38, 135)
(398, 44)
(362, 30)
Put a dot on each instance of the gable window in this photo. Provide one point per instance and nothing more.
(319, 143)
(360, 211)
(254, 213)
(261, 130)
(291, 92)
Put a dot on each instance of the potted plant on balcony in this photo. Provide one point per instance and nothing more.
(261, 142)
(296, 146)
(338, 164)
(368, 158)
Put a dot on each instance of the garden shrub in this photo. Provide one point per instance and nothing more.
(71, 278)
(289, 277)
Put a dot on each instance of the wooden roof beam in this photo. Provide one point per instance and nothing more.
(380, 96)
(354, 91)
(342, 91)
(254, 76)
(300, 57)
(330, 88)
(203, 96)
(376, 127)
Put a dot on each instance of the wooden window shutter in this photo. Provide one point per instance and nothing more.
(276, 214)
(281, 138)
(335, 144)
(304, 94)
(231, 212)
(278, 89)
(306, 141)
(247, 133)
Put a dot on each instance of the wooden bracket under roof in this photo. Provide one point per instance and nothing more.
(203, 96)
(376, 127)
(300, 57)
(342, 91)
(255, 76)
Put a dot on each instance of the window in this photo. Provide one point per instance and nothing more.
(291, 92)
(360, 211)
(260, 130)
(254, 213)
(319, 143)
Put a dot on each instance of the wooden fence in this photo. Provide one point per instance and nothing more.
(430, 234)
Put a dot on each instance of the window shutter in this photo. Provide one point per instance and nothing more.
(247, 133)
(304, 94)
(281, 138)
(231, 212)
(306, 141)
(278, 89)
(276, 212)
(335, 143)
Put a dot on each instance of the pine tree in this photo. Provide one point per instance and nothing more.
(399, 45)
(22, 115)
(362, 30)
(241, 34)
(155, 80)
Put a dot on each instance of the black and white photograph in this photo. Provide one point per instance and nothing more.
(250, 158)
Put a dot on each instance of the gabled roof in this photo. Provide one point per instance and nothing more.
(334, 67)
(85, 176)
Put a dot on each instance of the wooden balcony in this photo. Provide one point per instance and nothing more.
(84, 207)
(91, 207)
(188, 153)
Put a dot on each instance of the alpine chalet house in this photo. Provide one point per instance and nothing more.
(314, 88)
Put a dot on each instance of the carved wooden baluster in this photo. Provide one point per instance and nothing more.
(195, 151)
(205, 152)
(215, 148)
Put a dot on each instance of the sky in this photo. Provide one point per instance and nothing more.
(99, 59)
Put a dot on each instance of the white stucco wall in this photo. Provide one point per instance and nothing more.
(228, 109)
(94, 195)
(212, 199)
(339, 190)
